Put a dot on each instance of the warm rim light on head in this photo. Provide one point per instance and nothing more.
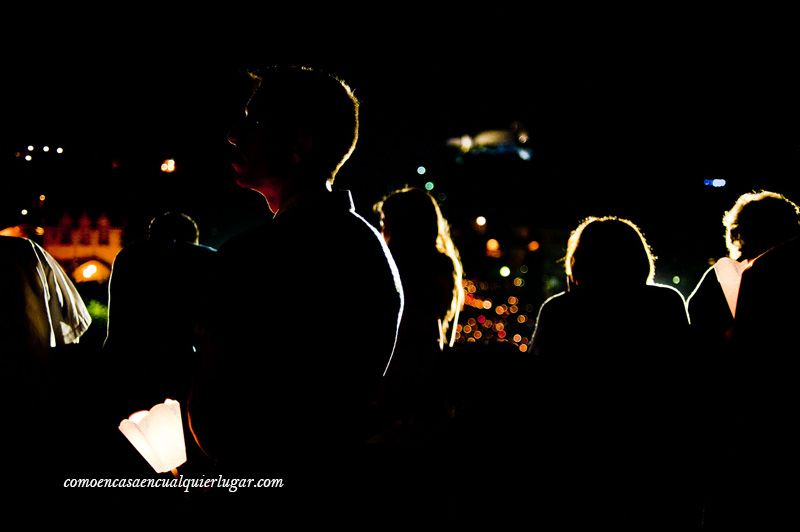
(757, 221)
(574, 243)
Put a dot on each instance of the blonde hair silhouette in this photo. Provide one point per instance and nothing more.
(413, 224)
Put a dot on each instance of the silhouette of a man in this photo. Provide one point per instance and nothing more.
(311, 300)
(155, 292)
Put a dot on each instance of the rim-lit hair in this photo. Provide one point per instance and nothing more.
(173, 227)
(608, 250)
(415, 220)
(309, 101)
(759, 221)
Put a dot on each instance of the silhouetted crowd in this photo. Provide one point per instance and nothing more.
(631, 409)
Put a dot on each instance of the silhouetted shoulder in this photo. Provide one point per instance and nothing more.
(557, 301)
(768, 288)
(669, 300)
(363, 229)
(15, 244)
(782, 257)
(554, 307)
(195, 251)
(552, 313)
(707, 282)
(243, 242)
(665, 293)
(707, 307)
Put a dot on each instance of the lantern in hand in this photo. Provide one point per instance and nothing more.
(158, 435)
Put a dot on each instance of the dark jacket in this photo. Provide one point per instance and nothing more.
(305, 327)
(609, 397)
(154, 304)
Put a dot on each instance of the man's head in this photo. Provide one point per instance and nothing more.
(173, 227)
(759, 221)
(299, 128)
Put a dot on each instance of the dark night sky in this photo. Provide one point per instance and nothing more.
(616, 125)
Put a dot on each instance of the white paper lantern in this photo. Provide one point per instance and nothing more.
(158, 435)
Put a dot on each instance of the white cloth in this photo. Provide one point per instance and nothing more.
(40, 305)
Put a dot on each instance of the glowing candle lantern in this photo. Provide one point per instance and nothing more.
(157, 435)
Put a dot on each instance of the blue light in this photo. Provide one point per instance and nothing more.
(524, 154)
(716, 182)
(429, 185)
(421, 170)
